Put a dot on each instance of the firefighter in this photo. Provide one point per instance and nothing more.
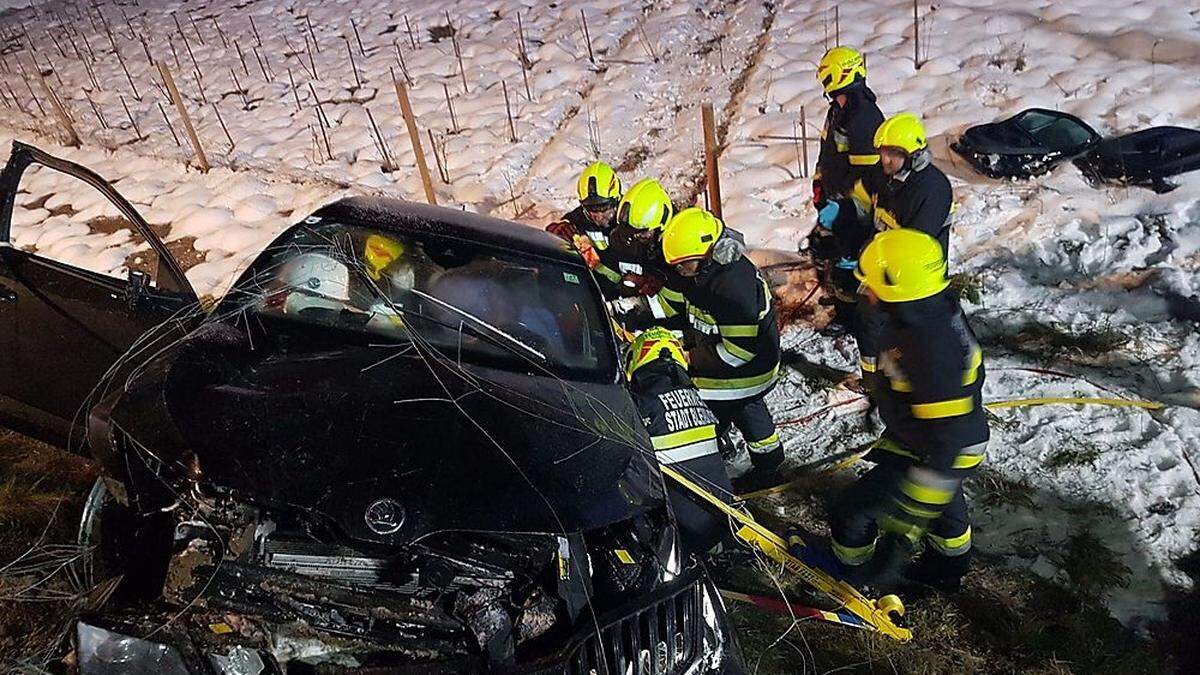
(682, 430)
(589, 225)
(641, 215)
(846, 174)
(732, 335)
(916, 194)
(931, 371)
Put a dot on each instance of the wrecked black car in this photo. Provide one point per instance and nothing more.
(399, 443)
(1027, 144)
(1143, 158)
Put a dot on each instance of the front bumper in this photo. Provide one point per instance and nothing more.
(680, 629)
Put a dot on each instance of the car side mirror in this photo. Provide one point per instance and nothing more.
(138, 287)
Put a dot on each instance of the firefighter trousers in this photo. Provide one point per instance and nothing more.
(751, 417)
(856, 511)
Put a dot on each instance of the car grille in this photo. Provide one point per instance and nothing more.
(662, 639)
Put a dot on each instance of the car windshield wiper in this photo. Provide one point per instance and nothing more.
(509, 338)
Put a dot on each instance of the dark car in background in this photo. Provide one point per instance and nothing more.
(399, 443)
(1028, 144)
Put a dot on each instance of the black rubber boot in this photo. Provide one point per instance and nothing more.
(765, 473)
(940, 573)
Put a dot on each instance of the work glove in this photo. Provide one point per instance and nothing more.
(818, 194)
(729, 247)
(586, 249)
(645, 284)
(828, 215)
(822, 246)
(562, 229)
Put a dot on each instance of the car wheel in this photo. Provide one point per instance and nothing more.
(121, 543)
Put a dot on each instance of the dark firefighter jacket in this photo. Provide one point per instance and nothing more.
(848, 153)
(608, 275)
(681, 426)
(932, 373)
(684, 434)
(729, 321)
(918, 198)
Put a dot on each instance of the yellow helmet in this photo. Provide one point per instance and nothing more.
(646, 206)
(840, 67)
(649, 346)
(379, 252)
(903, 265)
(598, 184)
(691, 234)
(903, 131)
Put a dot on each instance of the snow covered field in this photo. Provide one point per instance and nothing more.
(1053, 254)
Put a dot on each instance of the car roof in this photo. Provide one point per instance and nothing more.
(401, 216)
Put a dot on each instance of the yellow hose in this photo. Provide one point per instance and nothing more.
(1114, 402)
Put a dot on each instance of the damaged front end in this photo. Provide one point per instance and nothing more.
(371, 469)
(264, 594)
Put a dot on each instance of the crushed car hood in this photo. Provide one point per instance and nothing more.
(387, 444)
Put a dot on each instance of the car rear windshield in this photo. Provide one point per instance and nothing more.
(466, 300)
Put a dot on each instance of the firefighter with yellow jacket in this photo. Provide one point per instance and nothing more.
(733, 339)
(931, 375)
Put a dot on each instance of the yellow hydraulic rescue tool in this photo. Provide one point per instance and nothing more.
(855, 609)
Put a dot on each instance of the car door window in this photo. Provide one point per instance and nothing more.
(58, 217)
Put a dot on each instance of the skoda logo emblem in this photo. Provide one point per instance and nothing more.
(384, 516)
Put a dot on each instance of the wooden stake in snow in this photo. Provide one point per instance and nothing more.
(512, 128)
(196, 28)
(170, 128)
(201, 159)
(437, 157)
(262, 64)
(224, 128)
(521, 53)
(710, 159)
(403, 65)
(32, 95)
(587, 36)
(240, 90)
(916, 38)
(312, 33)
(361, 49)
(224, 42)
(525, 78)
(462, 71)
(388, 165)
(804, 141)
(312, 63)
(242, 57)
(320, 108)
(295, 94)
(415, 138)
(449, 105)
(411, 40)
(20, 105)
(128, 114)
(99, 116)
(200, 85)
(255, 29)
(61, 113)
(136, 94)
(353, 65)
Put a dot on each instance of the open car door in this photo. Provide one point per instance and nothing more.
(83, 278)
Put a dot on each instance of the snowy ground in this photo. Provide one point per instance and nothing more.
(1054, 251)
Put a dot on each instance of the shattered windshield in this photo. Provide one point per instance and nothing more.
(470, 301)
